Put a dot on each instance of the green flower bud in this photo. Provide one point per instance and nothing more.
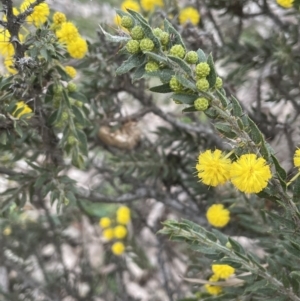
(146, 45)
(157, 32)
(64, 116)
(219, 83)
(175, 85)
(137, 33)
(177, 50)
(202, 69)
(66, 201)
(164, 38)
(191, 57)
(127, 22)
(58, 89)
(133, 46)
(71, 87)
(72, 140)
(202, 84)
(151, 67)
(56, 101)
(201, 104)
(228, 245)
(78, 103)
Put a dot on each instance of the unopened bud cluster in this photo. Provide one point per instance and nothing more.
(143, 41)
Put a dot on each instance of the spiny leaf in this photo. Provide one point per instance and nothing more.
(132, 62)
(165, 88)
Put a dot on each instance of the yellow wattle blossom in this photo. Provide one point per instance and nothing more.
(213, 289)
(120, 232)
(77, 48)
(149, 5)
(118, 248)
(213, 168)
(39, 15)
(218, 216)
(297, 158)
(59, 18)
(71, 71)
(67, 33)
(108, 233)
(285, 3)
(222, 271)
(123, 215)
(133, 5)
(6, 47)
(9, 65)
(250, 174)
(7, 231)
(104, 222)
(21, 109)
(189, 14)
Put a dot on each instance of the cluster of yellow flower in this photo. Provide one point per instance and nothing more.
(67, 33)
(220, 272)
(249, 174)
(116, 230)
(285, 3)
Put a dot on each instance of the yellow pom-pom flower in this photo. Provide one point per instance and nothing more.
(285, 3)
(123, 215)
(213, 289)
(67, 33)
(6, 48)
(39, 15)
(71, 71)
(129, 4)
(149, 5)
(21, 109)
(120, 232)
(118, 248)
(213, 168)
(104, 222)
(189, 14)
(297, 158)
(108, 233)
(250, 174)
(77, 48)
(59, 18)
(222, 271)
(218, 216)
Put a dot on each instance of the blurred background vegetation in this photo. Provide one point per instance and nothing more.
(142, 152)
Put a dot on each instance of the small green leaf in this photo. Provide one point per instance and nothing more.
(189, 109)
(185, 98)
(78, 96)
(165, 88)
(181, 63)
(236, 246)
(176, 37)
(280, 171)
(212, 76)
(223, 99)
(296, 191)
(186, 83)
(201, 56)
(254, 132)
(132, 62)
(111, 38)
(236, 107)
